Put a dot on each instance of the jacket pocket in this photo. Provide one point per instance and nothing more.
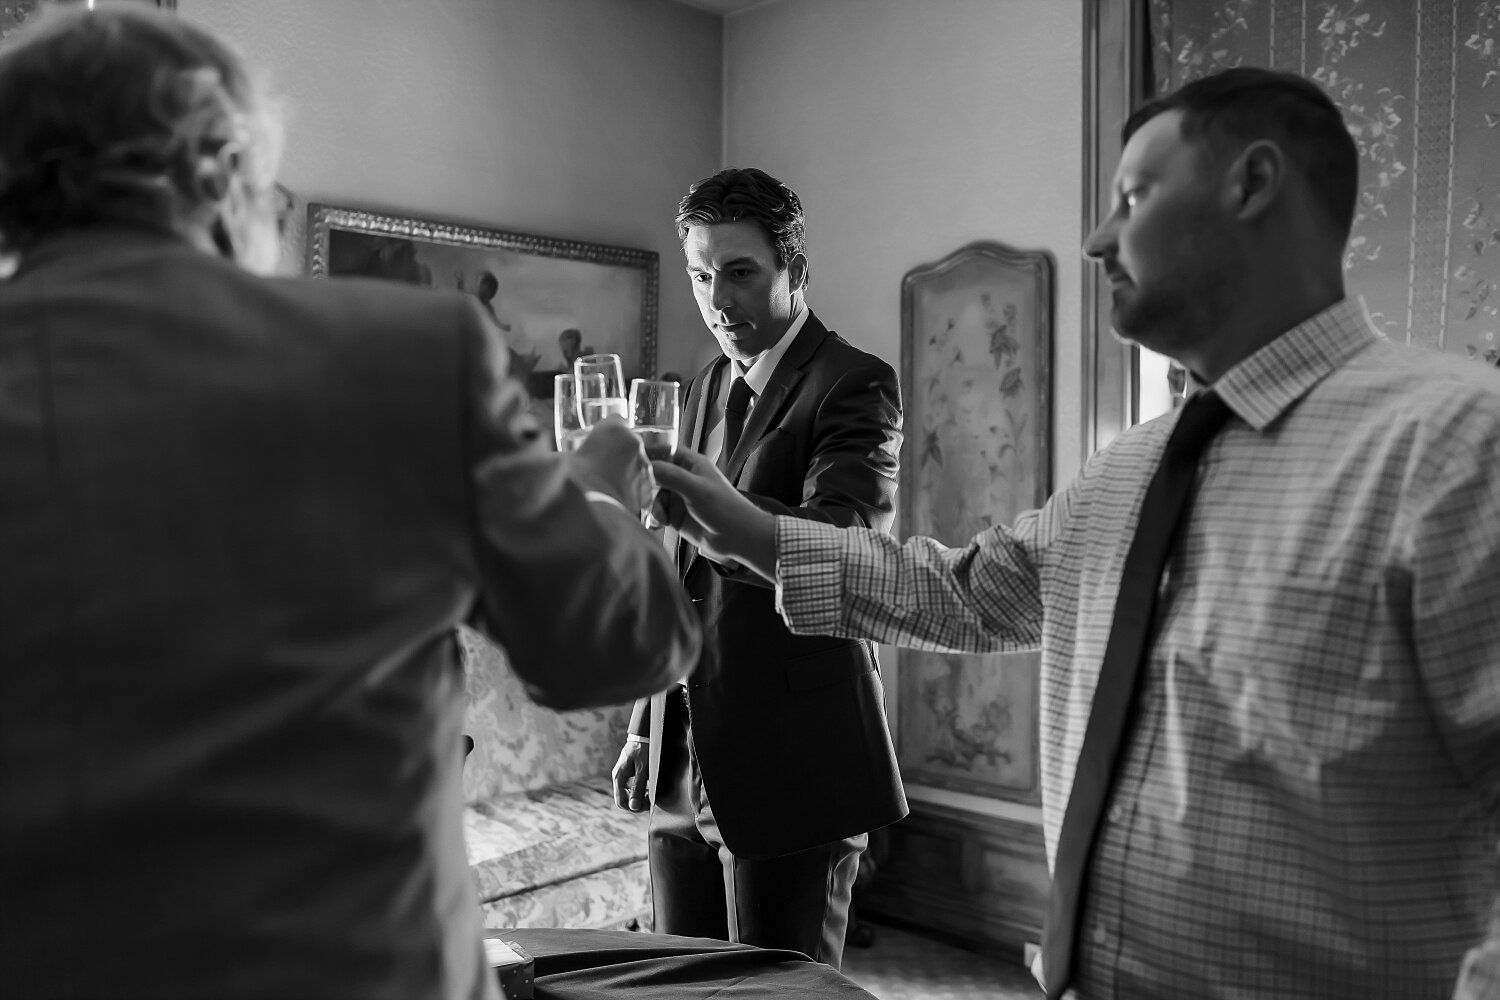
(825, 667)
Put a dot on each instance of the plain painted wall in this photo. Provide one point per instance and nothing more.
(910, 129)
(576, 119)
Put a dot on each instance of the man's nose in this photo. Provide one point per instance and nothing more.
(1101, 241)
(718, 296)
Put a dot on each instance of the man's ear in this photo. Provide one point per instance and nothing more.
(1255, 179)
(796, 271)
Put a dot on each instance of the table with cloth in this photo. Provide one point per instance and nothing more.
(576, 964)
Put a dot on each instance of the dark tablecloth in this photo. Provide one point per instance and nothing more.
(583, 965)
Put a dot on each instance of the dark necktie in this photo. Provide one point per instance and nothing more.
(1163, 512)
(735, 408)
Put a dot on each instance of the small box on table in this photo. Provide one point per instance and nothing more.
(515, 969)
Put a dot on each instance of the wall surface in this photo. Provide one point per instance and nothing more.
(910, 130)
(576, 119)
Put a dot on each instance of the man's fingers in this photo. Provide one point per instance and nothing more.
(666, 508)
(676, 479)
(622, 794)
(610, 433)
(694, 461)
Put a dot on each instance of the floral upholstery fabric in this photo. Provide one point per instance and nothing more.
(614, 899)
(518, 745)
(527, 840)
(546, 846)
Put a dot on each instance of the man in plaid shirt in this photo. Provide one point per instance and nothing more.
(1306, 798)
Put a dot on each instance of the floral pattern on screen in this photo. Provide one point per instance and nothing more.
(1419, 84)
(977, 342)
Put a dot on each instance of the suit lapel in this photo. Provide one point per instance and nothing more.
(779, 392)
(695, 408)
(695, 419)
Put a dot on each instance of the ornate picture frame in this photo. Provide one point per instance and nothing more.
(976, 354)
(553, 299)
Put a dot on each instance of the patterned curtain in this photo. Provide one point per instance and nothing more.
(1419, 83)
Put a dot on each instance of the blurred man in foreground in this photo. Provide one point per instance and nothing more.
(240, 518)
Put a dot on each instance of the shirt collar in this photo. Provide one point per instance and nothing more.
(1266, 384)
(759, 374)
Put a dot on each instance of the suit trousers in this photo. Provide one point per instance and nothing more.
(701, 889)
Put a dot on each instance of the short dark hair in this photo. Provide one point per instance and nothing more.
(1230, 109)
(745, 193)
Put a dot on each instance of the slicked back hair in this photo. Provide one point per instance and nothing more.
(747, 194)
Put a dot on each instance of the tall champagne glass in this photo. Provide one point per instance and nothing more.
(612, 403)
(653, 415)
(567, 410)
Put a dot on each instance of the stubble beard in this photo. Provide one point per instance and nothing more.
(1175, 317)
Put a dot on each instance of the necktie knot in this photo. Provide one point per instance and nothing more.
(1201, 418)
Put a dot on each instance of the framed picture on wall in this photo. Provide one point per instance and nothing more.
(552, 299)
(976, 349)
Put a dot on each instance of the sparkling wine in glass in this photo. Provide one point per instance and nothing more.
(653, 415)
(567, 412)
(594, 401)
(612, 402)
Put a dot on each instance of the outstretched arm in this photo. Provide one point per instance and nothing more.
(850, 478)
(710, 513)
(584, 600)
(859, 583)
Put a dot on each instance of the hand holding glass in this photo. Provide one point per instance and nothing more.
(595, 406)
(653, 414)
(568, 412)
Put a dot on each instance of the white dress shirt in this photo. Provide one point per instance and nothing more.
(757, 377)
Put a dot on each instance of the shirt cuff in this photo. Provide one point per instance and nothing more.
(633, 738)
(599, 496)
(809, 575)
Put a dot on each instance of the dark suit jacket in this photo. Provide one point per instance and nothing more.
(790, 730)
(240, 519)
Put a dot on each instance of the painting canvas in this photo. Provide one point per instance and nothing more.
(976, 352)
(552, 299)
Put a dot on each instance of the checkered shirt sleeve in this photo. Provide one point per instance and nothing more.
(980, 598)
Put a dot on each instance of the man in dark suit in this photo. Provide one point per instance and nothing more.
(768, 768)
(240, 519)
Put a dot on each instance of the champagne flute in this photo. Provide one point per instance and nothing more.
(594, 400)
(567, 410)
(653, 415)
(612, 402)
